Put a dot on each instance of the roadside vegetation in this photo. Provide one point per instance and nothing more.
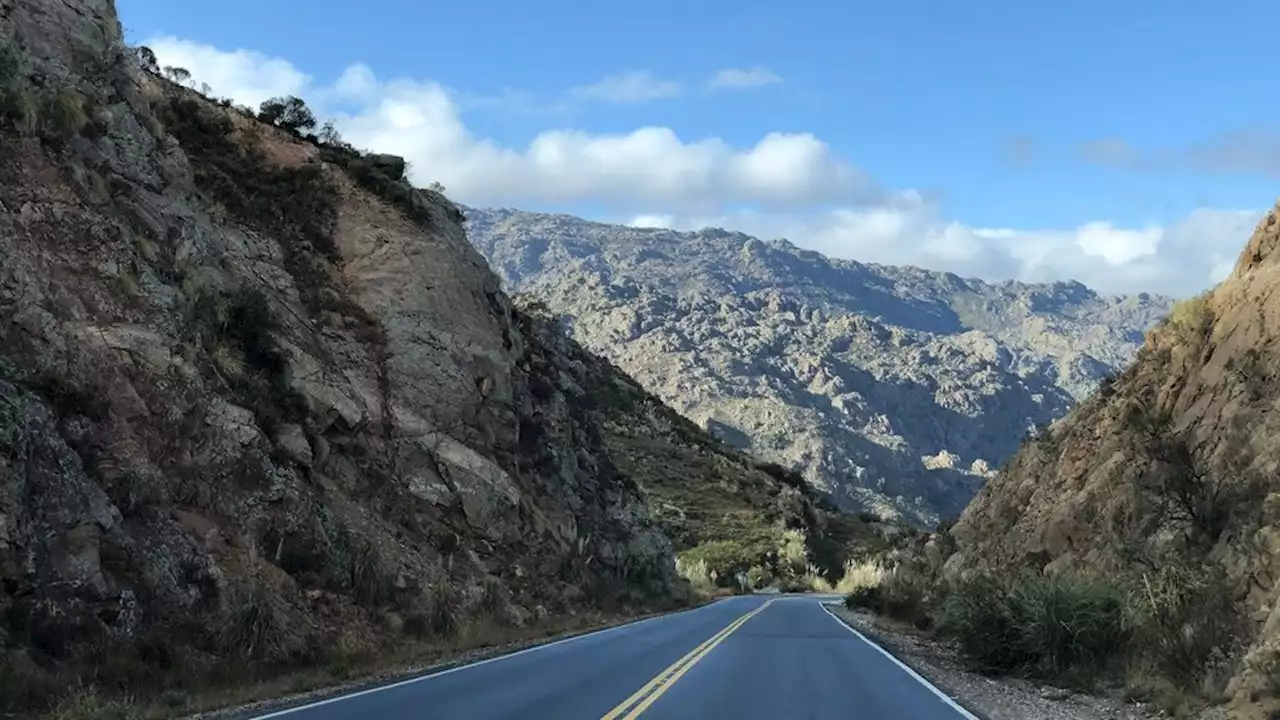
(1161, 638)
(738, 524)
(1164, 634)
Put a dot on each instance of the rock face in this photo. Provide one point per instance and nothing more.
(262, 405)
(1168, 477)
(892, 388)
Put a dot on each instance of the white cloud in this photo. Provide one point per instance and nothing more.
(794, 185)
(742, 78)
(1178, 259)
(651, 221)
(631, 87)
(649, 165)
(246, 76)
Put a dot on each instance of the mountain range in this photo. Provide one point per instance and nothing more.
(893, 389)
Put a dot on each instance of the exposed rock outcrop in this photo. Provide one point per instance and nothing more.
(1168, 477)
(254, 414)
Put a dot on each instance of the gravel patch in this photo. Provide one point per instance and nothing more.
(987, 697)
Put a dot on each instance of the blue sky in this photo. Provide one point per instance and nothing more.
(1038, 118)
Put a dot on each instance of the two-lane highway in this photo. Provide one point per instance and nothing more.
(743, 657)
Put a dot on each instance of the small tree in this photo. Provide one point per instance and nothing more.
(1190, 488)
(329, 134)
(177, 74)
(147, 59)
(290, 113)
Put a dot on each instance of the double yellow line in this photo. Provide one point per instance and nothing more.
(649, 694)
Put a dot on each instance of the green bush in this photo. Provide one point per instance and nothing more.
(1068, 624)
(67, 113)
(866, 597)
(1058, 626)
(903, 595)
(977, 614)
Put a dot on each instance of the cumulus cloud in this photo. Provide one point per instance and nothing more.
(1178, 259)
(649, 165)
(742, 78)
(788, 185)
(626, 88)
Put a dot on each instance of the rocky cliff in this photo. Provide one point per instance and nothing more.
(263, 406)
(1166, 478)
(893, 388)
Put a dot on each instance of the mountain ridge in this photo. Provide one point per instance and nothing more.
(865, 377)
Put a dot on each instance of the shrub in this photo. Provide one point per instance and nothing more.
(1052, 626)
(860, 576)
(977, 614)
(866, 596)
(1184, 619)
(442, 611)
(371, 578)
(253, 625)
(177, 75)
(902, 596)
(20, 106)
(146, 58)
(236, 329)
(1068, 624)
(698, 573)
(290, 113)
(495, 601)
(67, 113)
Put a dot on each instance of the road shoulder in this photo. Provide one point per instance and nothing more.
(989, 698)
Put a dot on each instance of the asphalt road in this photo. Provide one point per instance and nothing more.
(743, 657)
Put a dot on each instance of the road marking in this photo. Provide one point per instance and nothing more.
(918, 677)
(641, 699)
(458, 668)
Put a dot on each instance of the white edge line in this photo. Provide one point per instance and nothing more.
(919, 678)
(447, 671)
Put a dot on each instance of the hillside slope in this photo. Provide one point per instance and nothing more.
(263, 406)
(1168, 478)
(892, 388)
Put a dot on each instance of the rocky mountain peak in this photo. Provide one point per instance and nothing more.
(848, 372)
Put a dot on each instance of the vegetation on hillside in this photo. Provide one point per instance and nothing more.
(1162, 636)
(728, 515)
(1156, 610)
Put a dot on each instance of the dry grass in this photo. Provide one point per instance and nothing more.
(699, 574)
(859, 575)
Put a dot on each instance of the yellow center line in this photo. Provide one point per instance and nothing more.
(663, 681)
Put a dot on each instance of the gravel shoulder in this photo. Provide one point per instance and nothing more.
(990, 698)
